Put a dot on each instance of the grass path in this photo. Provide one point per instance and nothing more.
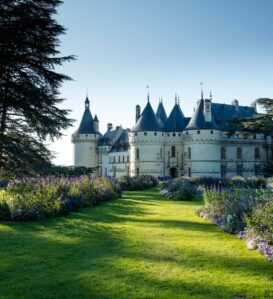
(139, 246)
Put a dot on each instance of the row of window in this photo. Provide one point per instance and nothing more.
(120, 159)
(239, 153)
(155, 134)
(239, 170)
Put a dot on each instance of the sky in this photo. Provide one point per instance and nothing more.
(123, 46)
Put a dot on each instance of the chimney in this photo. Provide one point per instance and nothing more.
(207, 110)
(235, 103)
(137, 112)
(109, 126)
(254, 105)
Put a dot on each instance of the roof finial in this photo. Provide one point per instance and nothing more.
(202, 91)
(179, 101)
(148, 95)
(210, 96)
(175, 98)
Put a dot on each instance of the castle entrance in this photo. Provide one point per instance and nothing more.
(173, 172)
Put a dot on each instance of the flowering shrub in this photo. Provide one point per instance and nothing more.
(261, 219)
(228, 207)
(34, 199)
(247, 212)
(179, 189)
(137, 182)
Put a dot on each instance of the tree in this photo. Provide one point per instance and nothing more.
(258, 123)
(29, 84)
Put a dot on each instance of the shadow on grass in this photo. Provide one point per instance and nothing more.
(84, 255)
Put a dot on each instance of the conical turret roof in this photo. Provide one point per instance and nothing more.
(87, 121)
(147, 121)
(198, 119)
(161, 114)
(176, 121)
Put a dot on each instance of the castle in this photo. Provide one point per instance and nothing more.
(172, 146)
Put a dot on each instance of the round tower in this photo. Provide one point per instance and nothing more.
(202, 143)
(147, 145)
(86, 139)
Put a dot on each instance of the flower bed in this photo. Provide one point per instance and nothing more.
(180, 188)
(245, 212)
(34, 199)
(137, 182)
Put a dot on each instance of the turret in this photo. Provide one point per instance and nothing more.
(96, 124)
(86, 139)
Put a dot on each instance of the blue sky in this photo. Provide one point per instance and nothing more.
(171, 45)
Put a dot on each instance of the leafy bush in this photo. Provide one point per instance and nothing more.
(35, 199)
(180, 189)
(261, 219)
(229, 207)
(137, 182)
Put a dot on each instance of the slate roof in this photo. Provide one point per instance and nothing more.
(161, 114)
(147, 121)
(87, 121)
(120, 145)
(198, 119)
(224, 113)
(96, 118)
(176, 121)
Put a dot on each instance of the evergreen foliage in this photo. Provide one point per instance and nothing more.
(29, 84)
(259, 123)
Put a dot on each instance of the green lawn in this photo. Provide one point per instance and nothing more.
(138, 246)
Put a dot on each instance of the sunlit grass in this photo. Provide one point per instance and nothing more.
(139, 246)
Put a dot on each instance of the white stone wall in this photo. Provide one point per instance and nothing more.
(85, 150)
(150, 145)
(176, 161)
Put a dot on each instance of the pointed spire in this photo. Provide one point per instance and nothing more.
(178, 101)
(175, 98)
(202, 91)
(148, 95)
(87, 102)
(210, 96)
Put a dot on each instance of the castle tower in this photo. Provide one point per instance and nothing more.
(86, 139)
(146, 141)
(174, 147)
(202, 142)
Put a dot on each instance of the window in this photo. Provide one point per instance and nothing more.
(123, 158)
(223, 153)
(135, 134)
(254, 136)
(239, 153)
(189, 172)
(173, 151)
(257, 153)
(114, 171)
(155, 133)
(257, 169)
(105, 172)
(187, 133)
(182, 161)
(223, 171)
(211, 132)
(119, 159)
(110, 160)
(114, 158)
(168, 134)
(174, 134)
(189, 153)
(128, 159)
(198, 132)
(137, 171)
(137, 153)
(240, 170)
(100, 159)
(145, 133)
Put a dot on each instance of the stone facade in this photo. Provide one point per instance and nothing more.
(194, 146)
